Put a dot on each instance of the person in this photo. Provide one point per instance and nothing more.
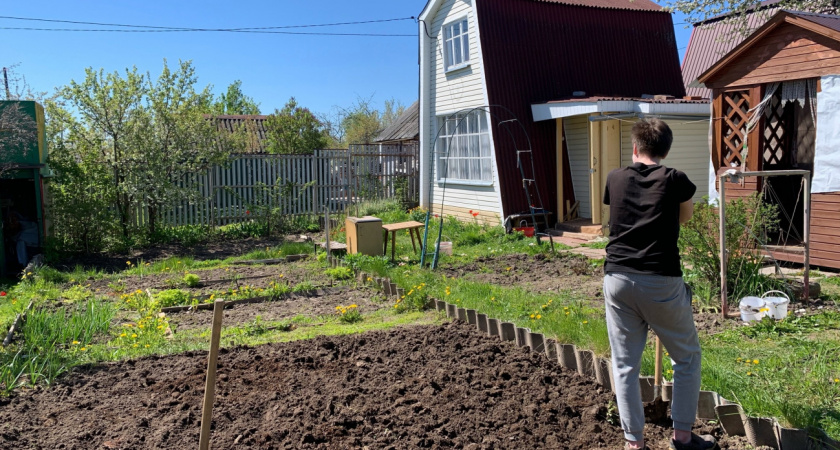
(24, 234)
(643, 284)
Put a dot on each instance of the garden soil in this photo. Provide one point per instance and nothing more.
(442, 386)
(217, 280)
(367, 300)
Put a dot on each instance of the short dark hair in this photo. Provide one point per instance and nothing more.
(653, 137)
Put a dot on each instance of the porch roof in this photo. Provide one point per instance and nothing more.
(558, 109)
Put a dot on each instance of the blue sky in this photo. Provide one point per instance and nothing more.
(322, 72)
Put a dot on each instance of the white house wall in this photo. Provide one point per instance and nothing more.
(577, 142)
(450, 92)
(689, 151)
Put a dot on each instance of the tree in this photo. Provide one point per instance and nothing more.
(361, 123)
(294, 130)
(234, 101)
(700, 10)
(151, 136)
(18, 132)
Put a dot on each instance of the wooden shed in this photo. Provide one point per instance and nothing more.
(776, 101)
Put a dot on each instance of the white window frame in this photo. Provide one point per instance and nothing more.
(461, 40)
(471, 145)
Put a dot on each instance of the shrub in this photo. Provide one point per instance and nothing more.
(192, 280)
(171, 297)
(340, 273)
(748, 220)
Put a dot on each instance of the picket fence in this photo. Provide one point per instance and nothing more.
(298, 184)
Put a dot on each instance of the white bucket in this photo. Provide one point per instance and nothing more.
(751, 308)
(446, 248)
(777, 307)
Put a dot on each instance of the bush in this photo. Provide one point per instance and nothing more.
(340, 273)
(172, 297)
(192, 280)
(748, 220)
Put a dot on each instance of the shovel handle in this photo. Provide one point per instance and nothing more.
(658, 363)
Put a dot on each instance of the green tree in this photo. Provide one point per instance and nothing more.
(17, 133)
(361, 123)
(234, 101)
(294, 130)
(150, 136)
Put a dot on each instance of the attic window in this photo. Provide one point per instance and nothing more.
(457, 44)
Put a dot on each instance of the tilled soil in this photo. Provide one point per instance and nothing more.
(219, 279)
(441, 386)
(366, 299)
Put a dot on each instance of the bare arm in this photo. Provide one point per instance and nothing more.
(686, 211)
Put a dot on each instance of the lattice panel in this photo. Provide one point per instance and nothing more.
(775, 146)
(736, 106)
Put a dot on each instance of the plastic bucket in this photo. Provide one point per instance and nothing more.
(446, 248)
(527, 231)
(752, 308)
(777, 307)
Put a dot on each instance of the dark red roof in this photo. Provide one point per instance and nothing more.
(536, 51)
(640, 5)
(826, 20)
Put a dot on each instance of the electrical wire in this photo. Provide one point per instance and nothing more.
(229, 31)
(133, 28)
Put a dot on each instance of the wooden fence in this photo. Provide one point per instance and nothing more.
(299, 184)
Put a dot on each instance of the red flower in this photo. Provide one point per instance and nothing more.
(3, 294)
(247, 212)
(470, 211)
(436, 215)
(475, 214)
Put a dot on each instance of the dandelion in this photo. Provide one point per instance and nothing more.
(135, 345)
(539, 316)
(755, 361)
(128, 263)
(134, 336)
(585, 322)
(147, 346)
(837, 380)
(84, 349)
(75, 342)
(123, 335)
(532, 316)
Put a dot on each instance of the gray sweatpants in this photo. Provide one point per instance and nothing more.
(634, 302)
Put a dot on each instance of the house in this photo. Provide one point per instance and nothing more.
(404, 130)
(254, 125)
(553, 83)
(776, 106)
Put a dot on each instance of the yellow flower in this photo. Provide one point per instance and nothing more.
(532, 316)
(567, 313)
(147, 345)
(539, 316)
(128, 263)
(585, 321)
(134, 336)
(837, 380)
(84, 349)
(123, 335)
(135, 345)
(755, 361)
(354, 305)
(749, 374)
(75, 342)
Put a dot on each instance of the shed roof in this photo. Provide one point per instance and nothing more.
(712, 39)
(828, 26)
(536, 51)
(255, 125)
(406, 127)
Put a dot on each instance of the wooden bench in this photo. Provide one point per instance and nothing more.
(412, 227)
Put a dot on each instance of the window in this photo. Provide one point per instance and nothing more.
(463, 149)
(457, 43)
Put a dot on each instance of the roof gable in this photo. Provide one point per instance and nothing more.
(790, 46)
(405, 127)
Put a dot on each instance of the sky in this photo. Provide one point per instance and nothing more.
(322, 72)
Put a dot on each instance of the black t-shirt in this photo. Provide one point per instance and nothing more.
(645, 219)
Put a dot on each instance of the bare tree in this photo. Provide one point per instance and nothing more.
(702, 10)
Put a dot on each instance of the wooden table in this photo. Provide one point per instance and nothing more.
(412, 227)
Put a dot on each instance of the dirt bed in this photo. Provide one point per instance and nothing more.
(368, 300)
(218, 280)
(418, 387)
(219, 249)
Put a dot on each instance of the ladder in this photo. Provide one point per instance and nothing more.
(532, 193)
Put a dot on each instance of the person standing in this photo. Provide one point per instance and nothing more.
(643, 284)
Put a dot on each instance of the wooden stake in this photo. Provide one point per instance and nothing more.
(210, 387)
(657, 371)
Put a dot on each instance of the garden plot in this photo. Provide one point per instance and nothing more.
(415, 387)
(295, 305)
(229, 280)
